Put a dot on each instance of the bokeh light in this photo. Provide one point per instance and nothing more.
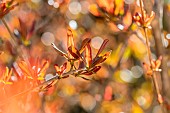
(47, 38)
(168, 36)
(85, 7)
(120, 26)
(75, 7)
(96, 42)
(127, 76)
(56, 5)
(141, 100)
(137, 71)
(87, 101)
(50, 2)
(73, 24)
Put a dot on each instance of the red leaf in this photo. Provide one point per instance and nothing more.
(91, 71)
(102, 47)
(88, 55)
(100, 59)
(60, 69)
(31, 30)
(57, 68)
(23, 29)
(84, 78)
(74, 52)
(63, 67)
(84, 43)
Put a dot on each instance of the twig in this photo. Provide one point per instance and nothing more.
(154, 76)
(12, 39)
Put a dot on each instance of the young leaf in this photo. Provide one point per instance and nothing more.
(74, 52)
(31, 30)
(70, 41)
(60, 69)
(91, 71)
(63, 67)
(23, 29)
(99, 59)
(102, 47)
(84, 43)
(43, 70)
(57, 68)
(88, 55)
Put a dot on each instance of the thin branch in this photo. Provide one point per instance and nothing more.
(12, 39)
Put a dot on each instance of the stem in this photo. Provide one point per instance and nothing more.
(147, 45)
(154, 78)
(142, 12)
(11, 34)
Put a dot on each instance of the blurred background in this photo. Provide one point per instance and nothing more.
(120, 86)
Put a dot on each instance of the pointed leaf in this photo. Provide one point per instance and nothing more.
(100, 59)
(43, 70)
(57, 68)
(31, 30)
(24, 67)
(92, 71)
(84, 78)
(149, 19)
(94, 9)
(70, 41)
(102, 47)
(8, 74)
(88, 55)
(158, 62)
(63, 67)
(23, 29)
(44, 67)
(84, 43)
(74, 52)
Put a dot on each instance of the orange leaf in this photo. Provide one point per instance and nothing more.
(94, 10)
(100, 59)
(74, 52)
(63, 67)
(70, 41)
(23, 29)
(57, 68)
(102, 47)
(107, 5)
(84, 43)
(43, 70)
(31, 30)
(92, 71)
(24, 67)
(60, 69)
(88, 55)
(119, 7)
